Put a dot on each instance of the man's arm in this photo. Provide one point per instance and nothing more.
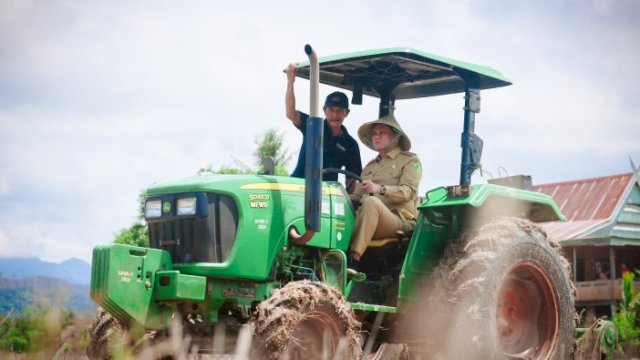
(290, 98)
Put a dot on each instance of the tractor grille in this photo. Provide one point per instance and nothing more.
(206, 237)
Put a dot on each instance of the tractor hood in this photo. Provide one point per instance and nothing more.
(402, 73)
(236, 217)
(216, 182)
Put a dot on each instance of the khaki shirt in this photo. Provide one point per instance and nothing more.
(400, 172)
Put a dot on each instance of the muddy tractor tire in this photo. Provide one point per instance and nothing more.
(109, 338)
(390, 351)
(304, 320)
(504, 292)
(104, 333)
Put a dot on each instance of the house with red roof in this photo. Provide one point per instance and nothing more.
(601, 238)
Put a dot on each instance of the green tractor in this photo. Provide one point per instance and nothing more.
(475, 279)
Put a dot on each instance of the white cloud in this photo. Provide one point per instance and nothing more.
(100, 100)
(5, 188)
(46, 240)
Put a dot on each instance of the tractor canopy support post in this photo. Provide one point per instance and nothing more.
(471, 143)
(386, 106)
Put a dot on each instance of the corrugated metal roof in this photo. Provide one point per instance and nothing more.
(558, 230)
(586, 203)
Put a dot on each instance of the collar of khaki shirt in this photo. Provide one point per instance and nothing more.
(391, 154)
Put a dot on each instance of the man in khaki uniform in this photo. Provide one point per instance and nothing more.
(389, 190)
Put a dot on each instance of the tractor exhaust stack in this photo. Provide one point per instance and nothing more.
(313, 159)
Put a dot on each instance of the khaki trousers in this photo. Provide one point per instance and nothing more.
(373, 221)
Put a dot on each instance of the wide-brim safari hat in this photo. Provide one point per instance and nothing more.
(365, 131)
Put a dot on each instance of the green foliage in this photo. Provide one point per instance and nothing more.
(136, 235)
(14, 297)
(21, 294)
(237, 169)
(270, 144)
(14, 343)
(34, 329)
(141, 199)
(22, 332)
(627, 319)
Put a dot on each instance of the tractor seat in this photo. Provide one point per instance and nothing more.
(401, 236)
(385, 256)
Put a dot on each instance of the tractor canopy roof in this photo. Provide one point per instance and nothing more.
(402, 73)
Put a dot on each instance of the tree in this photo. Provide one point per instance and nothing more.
(270, 144)
(24, 331)
(137, 234)
(627, 319)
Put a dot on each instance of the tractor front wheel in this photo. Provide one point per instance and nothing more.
(306, 320)
(107, 336)
(111, 339)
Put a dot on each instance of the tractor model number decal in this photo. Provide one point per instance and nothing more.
(325, 208)
(260, 201)
(338, 208)
(125, 276)
(236, 292)
(261, 224)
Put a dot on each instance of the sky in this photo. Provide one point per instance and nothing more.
(100, 99)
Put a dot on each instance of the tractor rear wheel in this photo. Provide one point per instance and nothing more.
(504, 293)
(306, 320)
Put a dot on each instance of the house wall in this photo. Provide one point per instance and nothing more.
(590, 260)
(606, 242)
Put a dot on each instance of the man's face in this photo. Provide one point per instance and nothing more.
(335, 115)
(381, 136)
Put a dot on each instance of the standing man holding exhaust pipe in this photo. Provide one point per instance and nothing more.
(339, 148)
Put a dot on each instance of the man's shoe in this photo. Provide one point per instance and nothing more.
(352, 265)
(351, 273)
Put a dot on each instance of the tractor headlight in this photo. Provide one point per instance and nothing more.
(187, 206)
(153, 208)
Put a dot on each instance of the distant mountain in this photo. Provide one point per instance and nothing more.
(74, 270)
(19, 294)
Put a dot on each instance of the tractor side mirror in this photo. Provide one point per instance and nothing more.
(268, 165)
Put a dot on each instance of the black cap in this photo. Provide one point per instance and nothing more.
(338, 99)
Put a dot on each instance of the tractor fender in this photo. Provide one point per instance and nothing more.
(508, 201)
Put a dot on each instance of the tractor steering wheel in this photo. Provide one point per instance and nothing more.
(342, 171)
(354, 203)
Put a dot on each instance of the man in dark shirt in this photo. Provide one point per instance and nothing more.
(339, 148)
